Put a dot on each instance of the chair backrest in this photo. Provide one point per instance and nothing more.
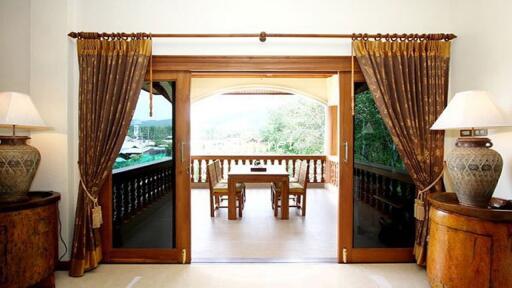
(218, 170)
(303, 173)
(296, 173)
(211, 176)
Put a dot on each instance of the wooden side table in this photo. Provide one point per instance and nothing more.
(29, 241)
(468, 247)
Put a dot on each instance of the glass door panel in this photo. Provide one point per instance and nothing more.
(376, 193)
(143, 176)
(383, 193)
(147, 198)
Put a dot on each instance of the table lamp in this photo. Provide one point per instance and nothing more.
(473, 167)
(18, 160)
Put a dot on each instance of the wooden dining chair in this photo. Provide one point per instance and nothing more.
(219, 173)
(294, 178)
(218, 190)
(220, 178)
(296, 190)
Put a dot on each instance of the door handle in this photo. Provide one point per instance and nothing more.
(182, 152)
(182, 157)
(345, 144)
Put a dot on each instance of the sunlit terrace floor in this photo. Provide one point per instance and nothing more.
(259, 236)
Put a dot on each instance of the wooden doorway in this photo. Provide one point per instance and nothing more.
(140, 184)
(182, 68)
(350, 250)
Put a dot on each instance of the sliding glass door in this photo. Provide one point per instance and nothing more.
(143, 176)
(377, 194)
(148, 217)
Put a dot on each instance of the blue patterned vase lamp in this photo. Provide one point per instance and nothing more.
(473, 166)
(18, 160)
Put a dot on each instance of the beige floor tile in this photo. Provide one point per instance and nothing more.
(258, 234)
(251, 275)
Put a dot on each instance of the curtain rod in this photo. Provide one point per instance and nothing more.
(263, 36)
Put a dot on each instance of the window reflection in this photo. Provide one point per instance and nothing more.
(383, 190)
(143, 174)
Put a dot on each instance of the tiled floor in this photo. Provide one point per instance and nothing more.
(259, 235)
(250, 275)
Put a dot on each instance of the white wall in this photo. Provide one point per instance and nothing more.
(14, 48)
(288, 16)
(53, 70)
(482, 59)
(52, 88)
(14, 45)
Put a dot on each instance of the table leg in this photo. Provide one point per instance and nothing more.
(231, 199)
(284, 199)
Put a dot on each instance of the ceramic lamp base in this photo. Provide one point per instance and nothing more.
(475, 170)
(18, 165)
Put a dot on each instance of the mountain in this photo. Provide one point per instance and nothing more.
(152, 123)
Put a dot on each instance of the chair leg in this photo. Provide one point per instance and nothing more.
(217, 201)
(272, 191)
(276, 204)
(240, 205)
(211, 206)
(303, 205)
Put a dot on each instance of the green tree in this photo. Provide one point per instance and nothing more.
(296, 129)
(372, 141)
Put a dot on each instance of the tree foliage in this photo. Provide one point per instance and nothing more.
(372, 141)
(298, 128)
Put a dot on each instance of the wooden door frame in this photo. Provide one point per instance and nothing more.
(170, 67)
(180, 254)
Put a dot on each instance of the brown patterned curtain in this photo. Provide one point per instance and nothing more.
(409, 82)
(111, 76)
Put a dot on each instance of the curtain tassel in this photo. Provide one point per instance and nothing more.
(419, 202)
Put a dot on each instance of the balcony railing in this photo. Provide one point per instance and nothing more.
(332, 170)
(386, 189)
(316, 164)
(136, 187)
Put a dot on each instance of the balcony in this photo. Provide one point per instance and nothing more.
(139, 191)
(383, 206)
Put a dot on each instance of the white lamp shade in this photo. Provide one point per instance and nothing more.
(18, 109)
(470, 109)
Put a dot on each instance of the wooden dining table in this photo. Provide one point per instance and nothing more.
(243, 174)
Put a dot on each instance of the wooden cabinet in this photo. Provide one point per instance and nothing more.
(29, 241)
(468, 247)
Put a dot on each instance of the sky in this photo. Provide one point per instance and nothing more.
(162, 109)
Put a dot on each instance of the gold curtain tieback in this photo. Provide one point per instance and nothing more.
(419, 204)
(97, 217)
